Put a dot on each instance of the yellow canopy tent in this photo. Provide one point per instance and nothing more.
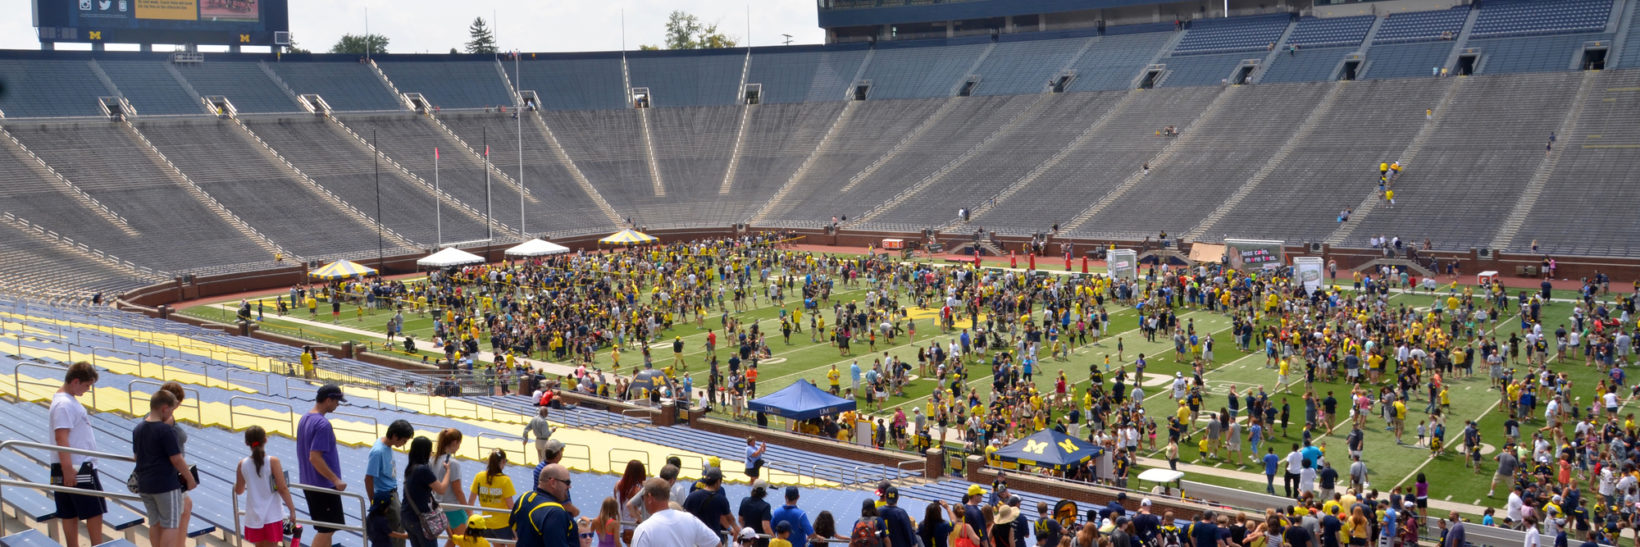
(341, 269)
(629, 237)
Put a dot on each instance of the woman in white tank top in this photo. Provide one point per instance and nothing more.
(261, 479)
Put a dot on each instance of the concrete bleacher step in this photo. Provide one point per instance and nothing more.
(1546, 169)
(1299, 137)
(1004, 132)
(1075, 145)
(1371, 201)
(740, 140)
(649, 153)
(437, 193)
(335, 200)
(574, 171)
(905, 142)
(50, 174)
(820, 149)
(495, 170)
(1187, 135)
(266, 243)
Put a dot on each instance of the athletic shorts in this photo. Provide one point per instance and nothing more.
(324, 507)
(269, 533)
(163, 509)
(76, 506)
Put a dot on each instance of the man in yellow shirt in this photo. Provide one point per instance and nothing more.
(834, 378)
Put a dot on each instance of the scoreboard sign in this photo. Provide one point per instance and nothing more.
(200, 22)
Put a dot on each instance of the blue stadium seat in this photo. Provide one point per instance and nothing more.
(27, 538)
(1339, 31)
(1532, 17)
(1421, 26)
(1233, 34)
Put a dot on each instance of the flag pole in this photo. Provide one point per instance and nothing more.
(489, 233)
(518, 95)
(438, 205)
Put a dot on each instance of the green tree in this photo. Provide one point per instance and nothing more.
(359, 44)
(483, 40)
(685, 31)
(293, 48)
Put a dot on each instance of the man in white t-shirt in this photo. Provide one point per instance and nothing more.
(71, 427)
(667, 527)
(1512, 510)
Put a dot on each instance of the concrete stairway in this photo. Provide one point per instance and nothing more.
(1298, 138)
(1540, 178)
(1372, 200)
(803, 169)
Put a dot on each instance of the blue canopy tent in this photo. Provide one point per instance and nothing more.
(1047, 449)
(800, 401)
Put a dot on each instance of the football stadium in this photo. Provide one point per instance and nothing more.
(970, 273)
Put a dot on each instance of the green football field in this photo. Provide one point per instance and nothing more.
(803, 359)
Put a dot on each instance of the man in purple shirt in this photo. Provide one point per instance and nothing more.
(319, 462)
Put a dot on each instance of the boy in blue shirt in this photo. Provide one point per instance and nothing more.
(379, 480)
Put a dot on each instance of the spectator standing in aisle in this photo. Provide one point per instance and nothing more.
(161, 470)
(320, 464)
(542, 430)
(381, 480)
(261, 479)
(665, 527)
(71, 428)
(802, 529)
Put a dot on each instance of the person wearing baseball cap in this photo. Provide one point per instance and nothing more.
(708, 505)
(895, 519)
(755, 513)
(972, 514)
(319, 462)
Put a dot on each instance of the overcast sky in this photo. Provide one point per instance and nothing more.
(435, 26)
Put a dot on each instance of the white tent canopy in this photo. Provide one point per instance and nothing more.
(450, 257)
(537, 247)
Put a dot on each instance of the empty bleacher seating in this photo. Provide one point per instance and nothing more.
(1533, 53)
(689, 79)
(911, 72)
(1254, 33)
(1114, 61)
(450, 84)
(1331, 32)
(344, 85)
(790, 75)
(1023, 67)
(1305, 65)
(563, 205)
(50, 88)
(587, 82)
(1421, 26)
(1528, 17)
(151, 88)
(243, 83)
(1407, 60)
(1199, 70)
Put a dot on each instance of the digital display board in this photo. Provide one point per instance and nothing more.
(1254, 254)
(202, 22)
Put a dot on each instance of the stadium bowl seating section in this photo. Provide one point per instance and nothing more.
(172, 191)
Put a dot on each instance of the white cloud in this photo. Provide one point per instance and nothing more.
(435, 26)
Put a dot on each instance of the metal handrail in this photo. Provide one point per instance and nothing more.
(17, 379)
(16, 444)
(375, 425)
(131, 398)
(610, 458)
(234, 413)
(364, 512)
